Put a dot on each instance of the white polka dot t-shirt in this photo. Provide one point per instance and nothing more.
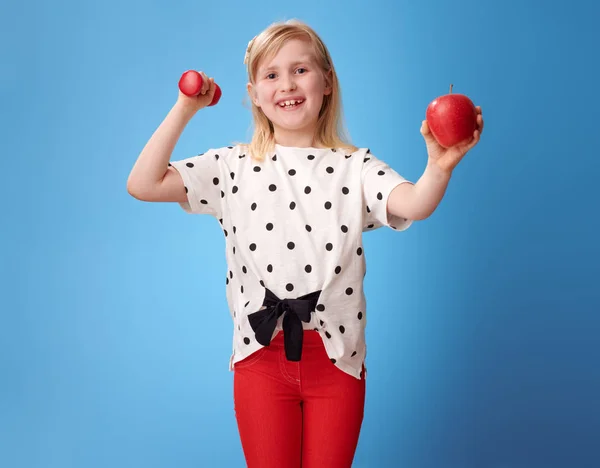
(293, 227)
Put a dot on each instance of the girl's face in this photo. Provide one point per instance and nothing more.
(292, 75)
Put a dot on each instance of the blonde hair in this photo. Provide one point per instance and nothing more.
(331, 132)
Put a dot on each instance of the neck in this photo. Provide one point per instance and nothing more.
(297, 139)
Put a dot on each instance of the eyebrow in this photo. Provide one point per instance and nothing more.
(306, 59)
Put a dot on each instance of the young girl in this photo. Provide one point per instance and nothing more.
(293, 204)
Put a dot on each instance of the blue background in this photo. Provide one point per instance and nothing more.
(483, 319)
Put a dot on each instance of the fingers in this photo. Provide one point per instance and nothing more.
(480, 123)
(471, 144)
(426, 132)
(205, 83)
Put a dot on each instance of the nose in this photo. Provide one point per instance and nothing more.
(287, 83)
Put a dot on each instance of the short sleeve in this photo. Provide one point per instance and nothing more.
(378, 181)
(203, 180)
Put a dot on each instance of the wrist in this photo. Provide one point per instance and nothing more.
(183, 109)
(438, 171)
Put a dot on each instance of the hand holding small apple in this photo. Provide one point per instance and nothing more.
(452, 128)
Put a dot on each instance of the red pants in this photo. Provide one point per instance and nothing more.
(297, 414)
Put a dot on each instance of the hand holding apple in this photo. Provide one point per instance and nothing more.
(452, 127)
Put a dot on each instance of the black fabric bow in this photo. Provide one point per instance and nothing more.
(264, 321)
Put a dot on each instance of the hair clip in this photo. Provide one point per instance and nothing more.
(247, 55)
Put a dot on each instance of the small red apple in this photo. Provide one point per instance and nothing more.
(451, 118)
(190, 84)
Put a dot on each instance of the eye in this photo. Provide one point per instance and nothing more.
(301, 68)
(270, 75)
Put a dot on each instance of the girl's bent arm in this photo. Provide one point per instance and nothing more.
(151, 179)
(419, 201)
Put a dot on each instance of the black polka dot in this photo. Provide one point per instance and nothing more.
(216, 181)
(338, 269)
(310, 157)
(292, 205)
(189, 164)
(329, 170)
(253, 206)
(253, 247)
(381, 173)
(234, 189)
(247, 340)
(329, 246)
(360, 316)
(204, 202)
(353, 354)
(269, 226)
(232, 174)
(292, 172)
(291, 245)
(342, 329)
(256, 168)
(274, 158)
(242, 289)
(345, 190)
(261, 283)
(307, 189)
(272, 187)
(333, 360)
(349, 291)
(344, 228)
(327, 205)
(320, 308)
(186, 189)
(289, 287)
(307, 268)
(379, 196)
(359, 251)
(308, 228)
(270, 268)
(231, 274)
(244, 269)
(327, 334)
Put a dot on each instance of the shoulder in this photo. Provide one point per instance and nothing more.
(225, 154)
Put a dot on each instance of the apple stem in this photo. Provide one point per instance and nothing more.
(451, 89)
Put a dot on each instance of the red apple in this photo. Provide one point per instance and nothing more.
(190, 84)
(451, 118)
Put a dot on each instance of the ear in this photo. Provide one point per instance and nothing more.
(328, 83)
(252, 94)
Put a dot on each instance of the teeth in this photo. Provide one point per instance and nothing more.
(290, 103)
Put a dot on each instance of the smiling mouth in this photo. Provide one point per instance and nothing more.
(293, 104)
